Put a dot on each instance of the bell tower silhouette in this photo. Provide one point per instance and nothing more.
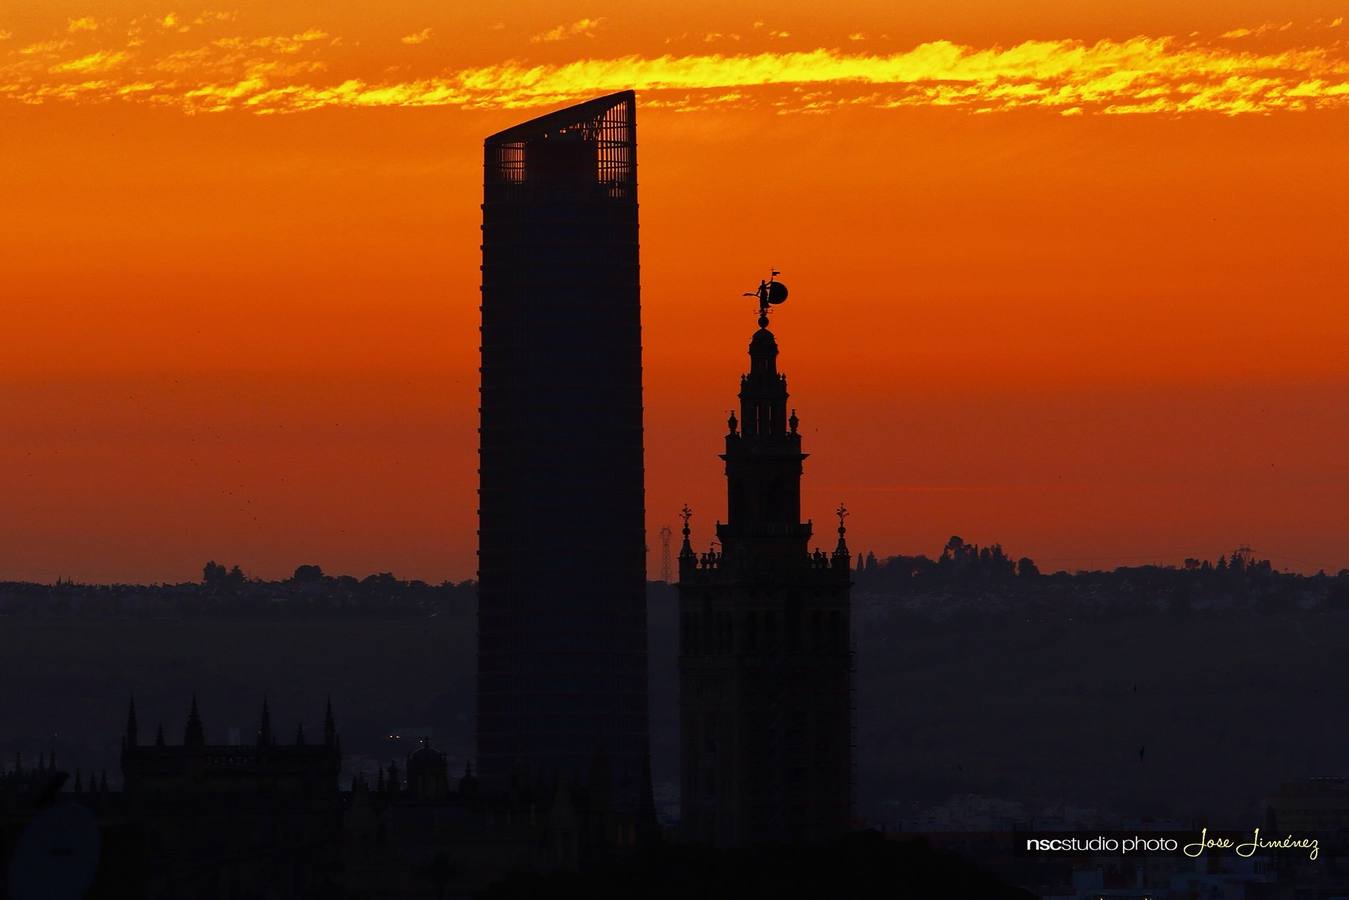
(765, 658)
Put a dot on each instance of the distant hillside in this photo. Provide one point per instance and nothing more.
(1146, 691)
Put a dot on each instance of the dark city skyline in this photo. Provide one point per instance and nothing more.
(1064, 297)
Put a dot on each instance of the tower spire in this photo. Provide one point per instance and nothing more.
(841, 551)
(686, 549)
(763, 392)
(763, 457)
(265, 726)
(194, 735)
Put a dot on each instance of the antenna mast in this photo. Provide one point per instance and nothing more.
(665, 573)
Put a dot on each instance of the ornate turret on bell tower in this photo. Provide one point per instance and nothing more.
(763, 459)
(765, 658)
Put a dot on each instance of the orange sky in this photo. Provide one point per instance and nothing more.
(1064, 276)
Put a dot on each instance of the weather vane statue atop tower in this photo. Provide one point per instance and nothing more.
(770, 293)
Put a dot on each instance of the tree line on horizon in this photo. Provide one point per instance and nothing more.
(960, 569)
(961, 559)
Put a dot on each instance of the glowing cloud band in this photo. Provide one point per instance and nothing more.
(281, 74)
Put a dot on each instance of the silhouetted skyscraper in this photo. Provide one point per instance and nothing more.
(562, 679)
(765, 660)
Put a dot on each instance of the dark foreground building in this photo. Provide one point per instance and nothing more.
(765, 661)
(267, 820)
(234, 820)
(562, 678)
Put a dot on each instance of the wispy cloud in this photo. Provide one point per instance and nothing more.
(211, 17)
(44, 48)
(269, 74)
(579, 28)
(1257, 30)
(84, 23)
(99, 61)
(420, 37)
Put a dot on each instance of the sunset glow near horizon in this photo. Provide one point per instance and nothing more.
(1067, 277)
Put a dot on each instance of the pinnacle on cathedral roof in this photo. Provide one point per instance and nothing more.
(686, 549)
(265, 725)
(194, 734)
(842, 513)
